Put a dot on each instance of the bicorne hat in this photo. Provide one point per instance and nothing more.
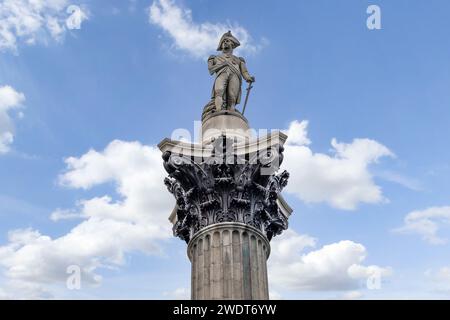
(228, 36)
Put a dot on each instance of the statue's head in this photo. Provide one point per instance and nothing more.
(228, 42)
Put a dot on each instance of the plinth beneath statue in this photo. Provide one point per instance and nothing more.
(227, 123)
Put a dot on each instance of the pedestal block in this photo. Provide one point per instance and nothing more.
(229, 123)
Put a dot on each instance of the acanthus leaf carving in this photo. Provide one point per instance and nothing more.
(217, 190)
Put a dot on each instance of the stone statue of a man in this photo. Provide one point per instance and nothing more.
(229, 71)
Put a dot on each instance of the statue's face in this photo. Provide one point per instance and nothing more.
(227, 44)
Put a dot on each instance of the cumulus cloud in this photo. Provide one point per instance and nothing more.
(274, 295)
(426, 223)
(440, 279)
(32, 21)
(197, 39)
(178, 294)
(19, 290)
(290, 243)
(352, 295)
(3, 295)
(110, 228)
(298, 133)
(337, 266)
(342, 180)
(10, 100)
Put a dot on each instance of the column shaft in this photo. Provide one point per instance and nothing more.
(229, 262)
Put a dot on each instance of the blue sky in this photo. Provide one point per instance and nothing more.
(87, 93)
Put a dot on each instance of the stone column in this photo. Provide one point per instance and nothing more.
(229, 261)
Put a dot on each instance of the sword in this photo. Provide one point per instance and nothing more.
(250, 86)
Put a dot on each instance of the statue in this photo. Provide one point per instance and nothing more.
(229, 70)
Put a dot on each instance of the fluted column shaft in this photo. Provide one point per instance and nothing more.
(229, 261)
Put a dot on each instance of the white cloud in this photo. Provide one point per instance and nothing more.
(33, 21)
(352, 295)
(178, 294)
(199, 40)
(10, 100)
(362, 272)
(19, 290)
(64, 214)
(440, 279)
(135, 222)
(282, 250)
(400, 179)
(298, 133)
(426, 223)
(342, 180)
(3, 295)
(337, 266)
(274, 295)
